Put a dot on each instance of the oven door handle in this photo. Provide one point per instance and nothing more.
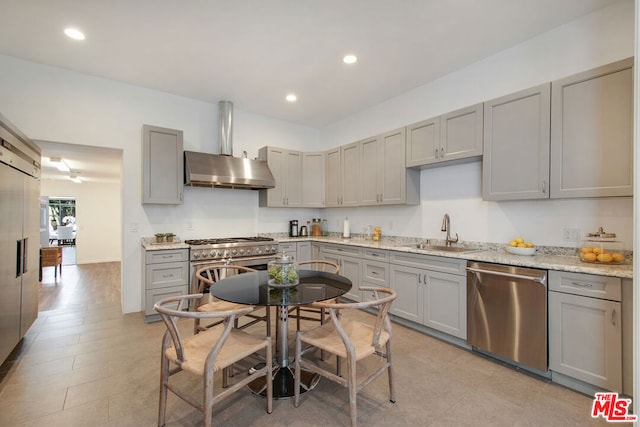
(513, 276)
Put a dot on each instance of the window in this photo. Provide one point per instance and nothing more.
(62, 211)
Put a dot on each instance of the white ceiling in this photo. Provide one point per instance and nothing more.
(254, 52)
(90, 164)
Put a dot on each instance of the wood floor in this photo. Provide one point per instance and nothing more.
(83, 363)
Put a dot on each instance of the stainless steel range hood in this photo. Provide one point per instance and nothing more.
(224, 170)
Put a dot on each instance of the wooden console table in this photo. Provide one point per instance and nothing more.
(51, 257)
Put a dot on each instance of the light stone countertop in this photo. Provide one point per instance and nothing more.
(149, 244)
(547, 258)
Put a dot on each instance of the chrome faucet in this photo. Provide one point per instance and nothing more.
(446, 226)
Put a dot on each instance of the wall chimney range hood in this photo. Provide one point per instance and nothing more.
(224, 170)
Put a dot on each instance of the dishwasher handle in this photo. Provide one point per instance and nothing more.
(511, 275)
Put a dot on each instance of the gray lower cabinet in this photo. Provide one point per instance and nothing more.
(592, 133)
(348, 258)
(375, 271)
(431, 291)
(298, 251)
(166, 274)
(585, 328)
(162, 165)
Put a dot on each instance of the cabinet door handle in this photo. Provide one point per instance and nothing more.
(375, 273)
(442, 153)
(167, 275)
(582, 285)
(437, 153)
(374, 254)
(419, 278)
(424, 279)
(380, 197)
(613, 317)
(544, 186)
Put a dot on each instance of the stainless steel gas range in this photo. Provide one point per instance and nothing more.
(253, 252)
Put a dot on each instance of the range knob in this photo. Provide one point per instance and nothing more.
(234, 252)
(258, 251)
(273, 249)
(242, 251)
(212, 254)
(196, 255)
(218, 253)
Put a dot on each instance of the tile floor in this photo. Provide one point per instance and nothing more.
(83, 363)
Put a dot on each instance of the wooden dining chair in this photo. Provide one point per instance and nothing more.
(206, 278)
(352, 340)
(307, 312)
(207, 353)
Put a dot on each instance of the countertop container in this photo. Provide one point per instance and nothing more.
(601, 248)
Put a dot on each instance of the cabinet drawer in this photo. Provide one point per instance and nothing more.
(167, 274)
(375, 273)
(434, 263)
(602, 287)
(154, 295)
(343, 250)
(375, 254)
(168, 255)
(287, 246)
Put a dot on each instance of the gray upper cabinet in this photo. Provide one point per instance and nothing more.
(286, 166)
(162, 165)
(592, 133)
(385, 179)
(423, 142)
(455, 136)
(343, 176)
(515, 163)
(313, 181)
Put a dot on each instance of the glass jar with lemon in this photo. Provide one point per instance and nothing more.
(601, 248)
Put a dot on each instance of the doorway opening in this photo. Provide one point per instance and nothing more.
(63, 227)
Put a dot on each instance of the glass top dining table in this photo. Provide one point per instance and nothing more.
(253, 289)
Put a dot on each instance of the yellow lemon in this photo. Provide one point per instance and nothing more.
(529, 245)
(519, 240)
(597, 250)
(605, 257)
(513, 243)
(521, 245)
(586, 249)
(617, 257)
(588, 256)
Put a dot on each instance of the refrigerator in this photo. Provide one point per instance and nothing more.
(19, 235)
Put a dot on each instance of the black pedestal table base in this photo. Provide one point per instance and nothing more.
(283, 383)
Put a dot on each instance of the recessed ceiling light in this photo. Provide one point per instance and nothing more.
(291, 97)
(350, 59)
(74, 33)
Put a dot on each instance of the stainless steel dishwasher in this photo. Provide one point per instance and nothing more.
(507, 312)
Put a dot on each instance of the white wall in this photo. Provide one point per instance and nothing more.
(53, 104)
(98, 215)
(591, 41)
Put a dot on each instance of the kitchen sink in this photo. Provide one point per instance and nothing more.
(429, 247)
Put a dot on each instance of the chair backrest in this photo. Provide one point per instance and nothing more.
(319, 265)
(207, 276)
(381, 302)
(173, 308)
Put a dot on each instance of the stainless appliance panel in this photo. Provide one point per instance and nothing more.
(12, 196)
(257, 263)
(507, 312)
(31, 253)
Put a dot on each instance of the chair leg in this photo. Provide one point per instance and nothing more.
(164, 377)
(296, 377)
(353, 392)
(225, 377)
(269, 378)
(268, 320)
(208, 399)
(338, 366)
(392, 389)
(297, 318)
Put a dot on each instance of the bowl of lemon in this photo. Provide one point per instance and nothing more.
(519, 246)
